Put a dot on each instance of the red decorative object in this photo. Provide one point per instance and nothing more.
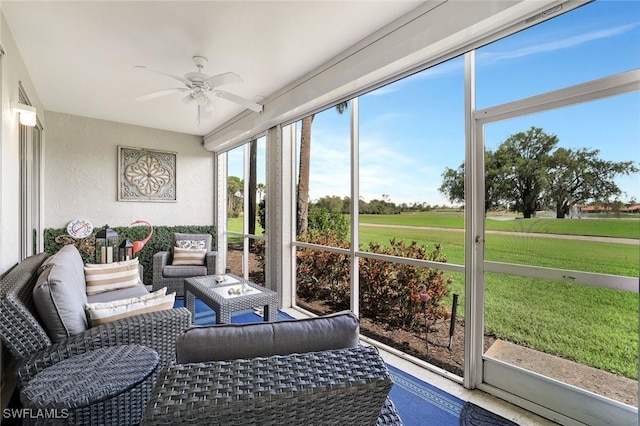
(139, 245)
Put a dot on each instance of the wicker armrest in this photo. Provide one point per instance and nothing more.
(210, 262)
(344, 386)
(161, 259)
(157, 330)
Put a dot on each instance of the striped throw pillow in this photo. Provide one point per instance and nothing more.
(102, 313)
(111, 276)
(183, 256)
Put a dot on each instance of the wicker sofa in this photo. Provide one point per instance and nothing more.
(311, 371)
(24, 334)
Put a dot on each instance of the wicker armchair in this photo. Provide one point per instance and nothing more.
(22, 333)
(165, 274)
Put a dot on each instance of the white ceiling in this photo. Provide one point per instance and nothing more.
(81, 55)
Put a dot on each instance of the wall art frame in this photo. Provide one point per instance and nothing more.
(147, 175)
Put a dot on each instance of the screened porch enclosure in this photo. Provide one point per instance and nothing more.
(419, 156)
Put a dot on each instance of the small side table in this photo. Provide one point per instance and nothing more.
(101, 386)
(233, 294)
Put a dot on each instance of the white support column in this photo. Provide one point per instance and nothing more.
(355, 190)
(280, 213)
(220, 209)
(474, 234)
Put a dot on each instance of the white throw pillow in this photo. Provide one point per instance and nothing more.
(183, 256)
(191, 244)
(111, 276)
(102, 313)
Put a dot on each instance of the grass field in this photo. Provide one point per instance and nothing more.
(594, 326)
(628, 227)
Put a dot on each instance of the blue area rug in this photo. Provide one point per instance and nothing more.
(205, 316)
(417, 402)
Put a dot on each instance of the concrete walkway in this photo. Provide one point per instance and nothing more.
(597, 381)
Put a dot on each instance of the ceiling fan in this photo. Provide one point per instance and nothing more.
(199, 86)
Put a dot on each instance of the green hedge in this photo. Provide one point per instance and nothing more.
(161, 240)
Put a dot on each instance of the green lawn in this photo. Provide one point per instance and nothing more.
(234, 224)
(627, 227)
(594, 326)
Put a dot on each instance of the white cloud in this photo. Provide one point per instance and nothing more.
(487, 58)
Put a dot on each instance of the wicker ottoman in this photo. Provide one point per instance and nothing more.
(107, 386)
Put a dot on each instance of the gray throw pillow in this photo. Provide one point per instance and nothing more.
(245, 341)
(60, 294)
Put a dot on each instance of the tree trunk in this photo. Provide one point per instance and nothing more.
(303, 176)
(528, 212)
(562, 209)
(253, 186)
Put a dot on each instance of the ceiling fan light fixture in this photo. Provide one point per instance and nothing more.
(201, 98)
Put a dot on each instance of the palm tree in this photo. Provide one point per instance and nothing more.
(303, 170)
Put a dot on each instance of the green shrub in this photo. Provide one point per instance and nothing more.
(323, 274)
(161, 240)
(390, 292)
(322, 220)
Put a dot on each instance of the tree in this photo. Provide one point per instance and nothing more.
(332, 203)
(235, 187)
(453, 183)
(526, 172)
(576, 177)
(302, 202)
(522, 162)
(253, 182)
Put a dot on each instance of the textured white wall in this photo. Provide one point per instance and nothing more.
(12, 72)
(81, 167)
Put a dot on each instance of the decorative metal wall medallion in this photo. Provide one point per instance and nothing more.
(146, 175)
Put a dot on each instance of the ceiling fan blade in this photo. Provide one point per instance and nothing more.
(175, 77)
(161, 93)
(239, 100)
(224, 78)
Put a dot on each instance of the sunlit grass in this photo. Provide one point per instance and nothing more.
(593, 326)
(235, 224)
(625, 227)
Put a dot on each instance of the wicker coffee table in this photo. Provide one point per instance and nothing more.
(231, 295)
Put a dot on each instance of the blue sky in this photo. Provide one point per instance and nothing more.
(411, 130)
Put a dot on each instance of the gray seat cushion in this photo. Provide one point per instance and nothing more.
(183, 271)
(60, 294)
(245, 341)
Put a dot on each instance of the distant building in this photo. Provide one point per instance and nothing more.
(635, 208)
(631, 209)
